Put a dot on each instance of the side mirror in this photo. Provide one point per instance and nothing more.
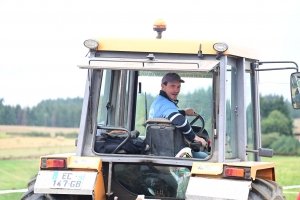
(295, 90)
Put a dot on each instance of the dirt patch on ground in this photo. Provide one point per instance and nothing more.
(25, 129)
(31, 142)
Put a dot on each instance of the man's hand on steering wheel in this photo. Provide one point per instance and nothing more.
(199, 139)
(190, 112)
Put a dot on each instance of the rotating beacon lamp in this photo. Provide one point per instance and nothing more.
(159, 26)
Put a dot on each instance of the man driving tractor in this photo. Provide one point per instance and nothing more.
(165, 106)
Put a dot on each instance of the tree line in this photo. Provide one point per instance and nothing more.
(277, 125)
(51, 113)
(276, 113)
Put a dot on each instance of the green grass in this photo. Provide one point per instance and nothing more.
(11, 196)
(15, 174)
(3, 135)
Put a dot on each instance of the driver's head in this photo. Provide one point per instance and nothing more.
(170, 84)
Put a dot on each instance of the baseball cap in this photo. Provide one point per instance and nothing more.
(171, 77)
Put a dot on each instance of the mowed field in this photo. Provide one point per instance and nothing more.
(25, 129)
(25, 147)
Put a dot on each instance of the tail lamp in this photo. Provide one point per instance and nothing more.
(236, 172)
(53, 163)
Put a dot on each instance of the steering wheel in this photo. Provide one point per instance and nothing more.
(203, 123)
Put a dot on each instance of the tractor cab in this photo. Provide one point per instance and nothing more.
(124, 78)
(139, 89)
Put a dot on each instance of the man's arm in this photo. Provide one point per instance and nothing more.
(182, 124)
(182, 112)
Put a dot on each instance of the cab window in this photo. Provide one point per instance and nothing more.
(195, 93)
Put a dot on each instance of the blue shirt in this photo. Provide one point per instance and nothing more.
(163, 107)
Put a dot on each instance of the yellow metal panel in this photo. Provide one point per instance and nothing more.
(85, 163)
(171, 46)
(207, 168)
(99, 190)
(265, 170)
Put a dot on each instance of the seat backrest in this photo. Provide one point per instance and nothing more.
(163, 138)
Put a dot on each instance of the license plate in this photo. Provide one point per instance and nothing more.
(67, 180)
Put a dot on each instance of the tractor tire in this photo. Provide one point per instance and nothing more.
(30, 195)
(265, 190)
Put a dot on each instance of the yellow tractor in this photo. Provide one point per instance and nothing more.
(123, 154)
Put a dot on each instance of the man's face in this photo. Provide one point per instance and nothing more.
(172, 89)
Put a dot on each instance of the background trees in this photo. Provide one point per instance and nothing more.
(277, 125)
(275, 115)
(53, 113)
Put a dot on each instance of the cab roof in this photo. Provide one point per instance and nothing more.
(171, 46)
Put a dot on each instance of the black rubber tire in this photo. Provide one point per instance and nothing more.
(265, 190)
(30, 195)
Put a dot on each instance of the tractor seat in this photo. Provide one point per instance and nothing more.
(163, 138)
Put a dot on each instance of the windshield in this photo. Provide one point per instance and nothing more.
(125, 100)
(195, 93)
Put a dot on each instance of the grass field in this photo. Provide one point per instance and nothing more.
(24, 129)
(22, 147)
(16, 173)
(35, 152)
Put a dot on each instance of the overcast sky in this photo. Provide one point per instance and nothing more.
(41, 41)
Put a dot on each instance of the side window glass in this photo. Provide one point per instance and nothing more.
(104, 99)
(195, 93)
(148, 89)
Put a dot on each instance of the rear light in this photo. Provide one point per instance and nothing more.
(53, 163)
(236, 172)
